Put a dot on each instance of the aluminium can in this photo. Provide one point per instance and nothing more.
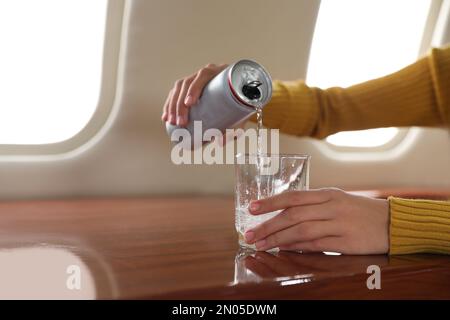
(228, 99)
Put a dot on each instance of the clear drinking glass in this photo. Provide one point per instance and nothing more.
(259, 177)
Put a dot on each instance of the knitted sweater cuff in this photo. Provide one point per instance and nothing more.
(419, 226)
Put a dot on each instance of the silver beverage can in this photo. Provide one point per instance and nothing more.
(228, 99)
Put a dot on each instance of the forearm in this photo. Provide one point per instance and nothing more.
(417, 95)
(419, 226)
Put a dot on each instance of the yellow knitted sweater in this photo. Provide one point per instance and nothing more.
(418, 95)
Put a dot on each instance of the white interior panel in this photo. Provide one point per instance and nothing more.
(163, 40)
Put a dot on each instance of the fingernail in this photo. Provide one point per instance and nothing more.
(180, 121)
(254, 206)
(260, 244)
(249, 236)
(164, 116)
(189, 100)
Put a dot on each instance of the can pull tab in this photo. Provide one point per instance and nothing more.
(251, 91)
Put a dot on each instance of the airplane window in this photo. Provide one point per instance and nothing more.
(50, 61)
(355, 41)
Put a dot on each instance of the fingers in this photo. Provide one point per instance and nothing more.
(181, 108)
(303, 232)
(330, 243)
(201, 79)
(165, 114)
(290, 199)
(186, 92)
(172, 108)
(288, 218)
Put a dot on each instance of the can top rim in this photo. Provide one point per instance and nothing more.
(267, 82)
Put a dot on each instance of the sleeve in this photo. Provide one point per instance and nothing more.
(419, 226)
(418, 95)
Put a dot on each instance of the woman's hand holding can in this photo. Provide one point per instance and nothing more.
(186, 92)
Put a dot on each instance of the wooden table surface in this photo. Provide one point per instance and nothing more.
(166, 248)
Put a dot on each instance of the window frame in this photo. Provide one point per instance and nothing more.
(403, 133)
(107, 95)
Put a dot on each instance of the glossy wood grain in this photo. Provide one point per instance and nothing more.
(186, 248)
